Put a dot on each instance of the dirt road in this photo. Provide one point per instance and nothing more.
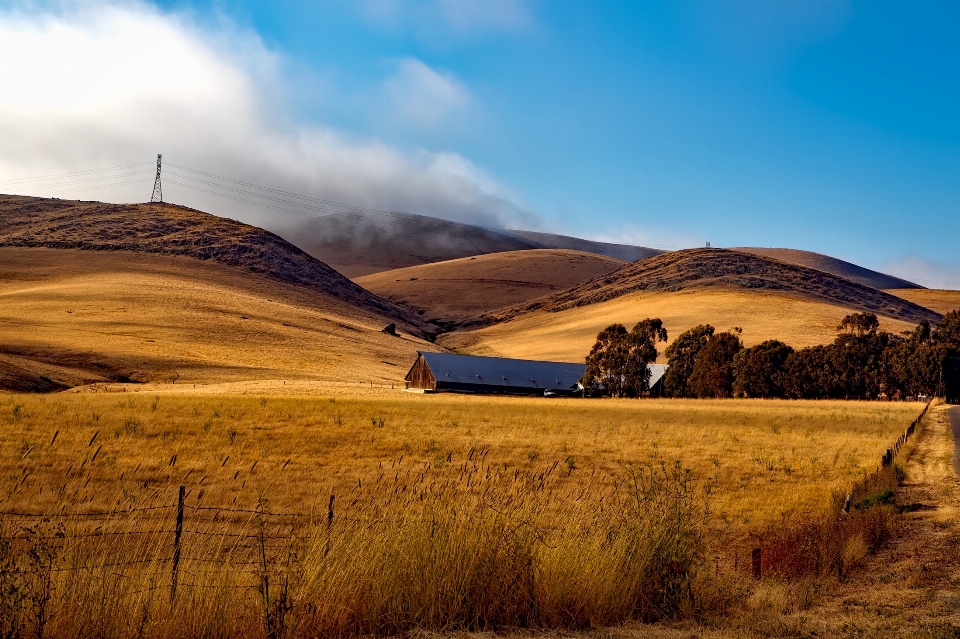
(912, 586)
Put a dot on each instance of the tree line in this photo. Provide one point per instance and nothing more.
(862, 362)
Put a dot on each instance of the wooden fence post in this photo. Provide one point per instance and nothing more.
(176, 544)
(756, 563)
(329, 525)
(265, 582)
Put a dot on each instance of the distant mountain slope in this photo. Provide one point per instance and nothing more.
(722, 269)
(176, 230)
(451, 291)
(358, 244)
(832, 265)
(625, 252)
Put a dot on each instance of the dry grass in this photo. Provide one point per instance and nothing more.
(938, 300)
(829, 264)
(762, 457)
(568, 335)
(456, 290)
(97, 314)
(452, 512)
(469, 547)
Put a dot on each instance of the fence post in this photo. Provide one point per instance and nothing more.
(176, 544)
(265, 582)
(755, 560)
(329, 525)
(846, 504)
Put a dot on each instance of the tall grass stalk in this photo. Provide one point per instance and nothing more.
(473, 546)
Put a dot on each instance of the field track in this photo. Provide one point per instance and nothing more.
(911, 586)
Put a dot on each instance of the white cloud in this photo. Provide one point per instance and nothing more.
(114, 83)
(424, 97)
(459, 17)
(925, 272)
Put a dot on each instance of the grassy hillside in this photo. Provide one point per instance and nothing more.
(69, 317)
(179, 231)
(360, 243)
(567, 335)
(455, 290)
(726, 270)
(940, 301)
(832, 265)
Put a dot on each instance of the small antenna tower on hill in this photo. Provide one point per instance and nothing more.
(157, 192)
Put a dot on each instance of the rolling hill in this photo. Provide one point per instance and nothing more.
(358, 243)
(767, 298)
(97, 293)
(723, 269)
(180, 231)
(940, 301)
(71, 317)
(832, 265)
(568, 335)
(456, 290)
(625, 252)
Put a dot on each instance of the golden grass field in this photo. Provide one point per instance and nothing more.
(761, 457)
(564, 500)
(568, 335)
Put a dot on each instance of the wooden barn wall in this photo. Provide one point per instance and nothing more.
(420, 376)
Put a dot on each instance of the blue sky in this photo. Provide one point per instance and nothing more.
(824, 125)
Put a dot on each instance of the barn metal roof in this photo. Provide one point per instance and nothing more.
(519, 373)
(657, 372)
(501, 371)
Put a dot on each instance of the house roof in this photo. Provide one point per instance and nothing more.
(501, 371)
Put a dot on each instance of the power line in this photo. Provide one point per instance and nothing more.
(51, 177)
(282, 192)
(97, 186)
(343, 217)
(88, 180)
(264, 197)
(351, 210)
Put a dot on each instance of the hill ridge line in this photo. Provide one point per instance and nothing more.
(702, 268)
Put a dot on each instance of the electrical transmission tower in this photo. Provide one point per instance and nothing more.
(157, 192)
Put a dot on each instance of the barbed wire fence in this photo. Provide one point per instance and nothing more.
(190, 543)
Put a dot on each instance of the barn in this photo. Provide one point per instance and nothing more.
(475, 374)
